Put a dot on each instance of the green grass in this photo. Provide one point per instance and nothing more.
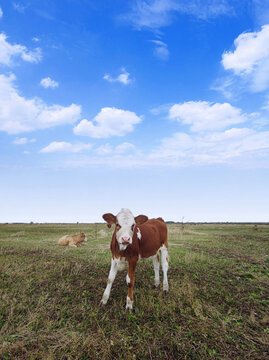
(217, 306)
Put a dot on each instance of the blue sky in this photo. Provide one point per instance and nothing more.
(160, 106)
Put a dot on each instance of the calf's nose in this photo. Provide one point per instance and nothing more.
(125, 239)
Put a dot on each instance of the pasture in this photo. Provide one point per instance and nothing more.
(217, 306)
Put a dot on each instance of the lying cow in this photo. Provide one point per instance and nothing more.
(135, 238)
(72, 240)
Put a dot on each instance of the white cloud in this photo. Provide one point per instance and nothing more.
(23, 141)
(211, 148)
(123, 77)
(20, 141)
(124, 147)
(18, 114)
(161, 49)
(49, 83)
(250, 49)
(204, 116)
(1, 13)
(242, 147)
(62, 146)
(35, 39)
(105, 149)
(8, 52)
(108, 122)
(225, 85)
(108, 149)
(154, 14)
(250, 59)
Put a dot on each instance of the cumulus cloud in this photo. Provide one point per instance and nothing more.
(8, 52)
(205, 116)
(62, 146)
(250, 59)
(161, 49)
(123, 77)
(250, 49)
(108, 122)
(18, 114)
(49, 83)
(154, 14)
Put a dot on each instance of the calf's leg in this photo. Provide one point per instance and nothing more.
(156, 265)
(111, 277)
(130, 282)
(164, 255)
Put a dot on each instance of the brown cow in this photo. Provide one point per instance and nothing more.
(135, 238)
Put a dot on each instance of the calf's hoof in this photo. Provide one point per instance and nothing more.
(103, 301)
(129, 304)
(165, 287)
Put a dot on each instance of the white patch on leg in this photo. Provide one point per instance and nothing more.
(128, 280)
(164, 255)
(139, 234)
(129, 303)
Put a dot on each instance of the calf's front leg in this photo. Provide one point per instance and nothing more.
(130, 278)
(111, 277)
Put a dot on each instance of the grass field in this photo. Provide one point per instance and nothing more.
(217, 306)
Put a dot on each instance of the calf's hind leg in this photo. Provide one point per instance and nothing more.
(156, 265)
(164, 255)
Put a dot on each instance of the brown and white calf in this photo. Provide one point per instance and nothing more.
(135, 238)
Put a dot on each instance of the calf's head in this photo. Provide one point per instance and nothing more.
(125, 223)
(83, 236)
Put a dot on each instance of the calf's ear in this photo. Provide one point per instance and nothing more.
(110, 219)
(140, 219)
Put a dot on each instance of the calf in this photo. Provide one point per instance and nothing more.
(135, 238)
(72, 240)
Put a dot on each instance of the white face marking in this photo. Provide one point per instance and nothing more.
(139, 234)
(85, 238)
(125, 233)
